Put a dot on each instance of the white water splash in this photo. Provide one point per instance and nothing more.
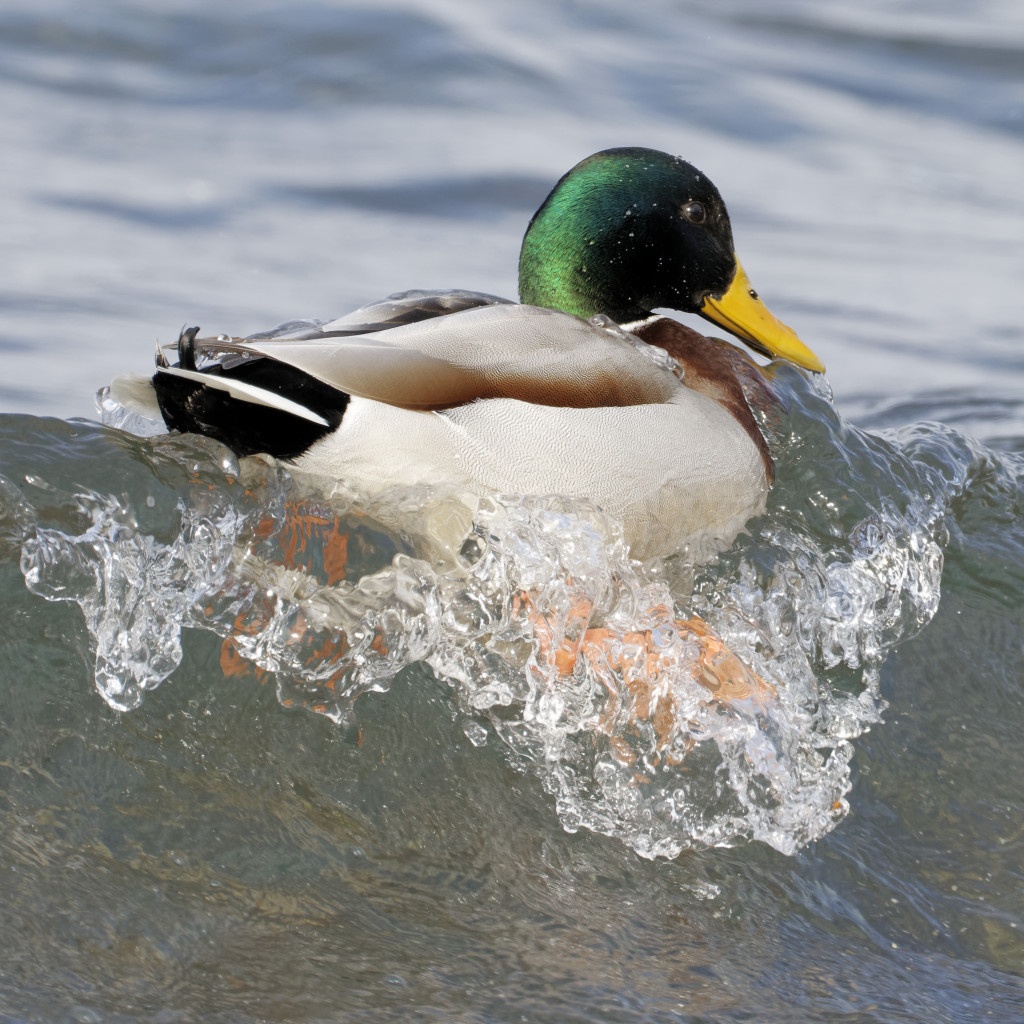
(583, 663)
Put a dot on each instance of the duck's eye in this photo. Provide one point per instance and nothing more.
(694, 212)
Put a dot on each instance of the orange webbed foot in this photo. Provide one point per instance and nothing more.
(638, 669)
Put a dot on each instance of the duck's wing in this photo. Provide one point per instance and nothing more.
(282, 394)
(254, 403)
(206, 355)
(394, 311)
(528, 353)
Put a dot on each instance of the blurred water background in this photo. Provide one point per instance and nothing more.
(213, 855)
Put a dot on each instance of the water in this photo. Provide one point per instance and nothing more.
(374, 796)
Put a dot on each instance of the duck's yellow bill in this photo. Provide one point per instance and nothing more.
(740, 311)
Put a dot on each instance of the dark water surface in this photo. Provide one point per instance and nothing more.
(218, 853)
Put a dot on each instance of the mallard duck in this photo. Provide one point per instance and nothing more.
(578, 390)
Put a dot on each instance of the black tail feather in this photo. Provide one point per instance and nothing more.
(247, 428)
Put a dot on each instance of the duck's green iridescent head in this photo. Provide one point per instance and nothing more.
(628, 231)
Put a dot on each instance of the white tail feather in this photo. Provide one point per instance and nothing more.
(247, 393)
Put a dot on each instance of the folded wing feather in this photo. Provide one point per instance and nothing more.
(503, 351)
